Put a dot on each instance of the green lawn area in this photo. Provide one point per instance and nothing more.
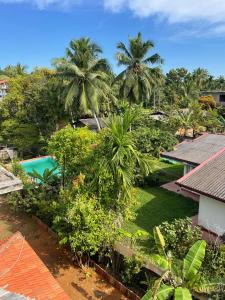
(156, 205)
(166, 172)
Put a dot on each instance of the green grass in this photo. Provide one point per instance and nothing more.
(166, 172)
(156, 205)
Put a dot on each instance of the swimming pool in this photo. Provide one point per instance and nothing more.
(40, 165)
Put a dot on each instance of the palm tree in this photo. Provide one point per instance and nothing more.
(119, 157)
(200, 76)
(180, 283)
(139, 77)
(87, 78)
(12, 71)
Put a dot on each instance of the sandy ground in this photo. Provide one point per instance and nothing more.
(71, 278)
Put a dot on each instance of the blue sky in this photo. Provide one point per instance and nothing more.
(188, 33)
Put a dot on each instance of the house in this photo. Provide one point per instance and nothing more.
(158, 115)
(8, 182)
(90, 123)
(208, 180)
(219, 96)
(3, 88)
(23, 275)
(194, 152)
(204, 175)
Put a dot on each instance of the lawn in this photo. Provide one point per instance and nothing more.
(165, 172)
(156, 205)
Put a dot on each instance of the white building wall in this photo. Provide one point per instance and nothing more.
(188, 168)
(212, 215)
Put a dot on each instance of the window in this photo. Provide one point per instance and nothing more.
(222, 98)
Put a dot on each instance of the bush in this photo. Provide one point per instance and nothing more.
(132, 266)
(23, 202)
(71, 147)
(81, 222)
(153, 140)
(214, 263)
(207, 101)
(180, 236)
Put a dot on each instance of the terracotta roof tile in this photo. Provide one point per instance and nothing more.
(24, 273)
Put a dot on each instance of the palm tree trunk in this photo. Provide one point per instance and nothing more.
(97, 121)
(154, 100)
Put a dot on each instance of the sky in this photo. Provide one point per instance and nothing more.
(187, 33)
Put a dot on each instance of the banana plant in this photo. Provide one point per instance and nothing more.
(180, 283)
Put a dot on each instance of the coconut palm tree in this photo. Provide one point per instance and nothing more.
(139, 77)
(200, 76)
(179, 283)
(87, 78)
(12, 71)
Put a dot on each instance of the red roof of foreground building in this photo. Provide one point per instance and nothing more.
(22, 272)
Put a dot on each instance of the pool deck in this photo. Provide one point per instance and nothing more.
(35, 158)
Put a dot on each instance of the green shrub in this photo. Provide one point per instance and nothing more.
(180, 236)
(132, 266)
(153, 140)
(214, 263)
(21, 202)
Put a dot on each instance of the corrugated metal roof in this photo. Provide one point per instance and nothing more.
(91, 123)
(198, 150)
(209, 178)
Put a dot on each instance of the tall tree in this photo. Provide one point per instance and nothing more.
(87, 78)
(200, 76)
(12, 71)
(140, 77)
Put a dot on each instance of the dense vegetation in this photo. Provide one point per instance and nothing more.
(95, 194)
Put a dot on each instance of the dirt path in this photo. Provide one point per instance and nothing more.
(71, 278)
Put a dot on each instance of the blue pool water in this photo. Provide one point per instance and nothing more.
(40, 165)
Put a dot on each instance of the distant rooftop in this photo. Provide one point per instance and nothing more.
(208, 178)
(198, 150)
(91, 123)
(3, 81)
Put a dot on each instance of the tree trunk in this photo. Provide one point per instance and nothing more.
(154, 100)
(97, 121)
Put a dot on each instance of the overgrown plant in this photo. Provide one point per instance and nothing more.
(180, 282)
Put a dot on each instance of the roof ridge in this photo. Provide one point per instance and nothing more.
(179, 181)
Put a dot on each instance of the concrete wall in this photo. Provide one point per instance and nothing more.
(212, 215)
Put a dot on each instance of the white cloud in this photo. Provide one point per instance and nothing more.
(43, 4)
(175, 11)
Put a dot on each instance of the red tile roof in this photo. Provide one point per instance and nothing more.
(3, 81)
(22, 271)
